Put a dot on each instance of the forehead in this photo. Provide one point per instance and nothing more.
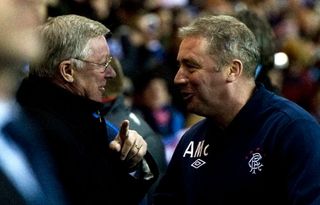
(98, 46)
(192, 46)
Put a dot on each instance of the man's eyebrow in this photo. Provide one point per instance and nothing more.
(188, 61)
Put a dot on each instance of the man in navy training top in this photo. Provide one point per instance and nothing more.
(253, 147)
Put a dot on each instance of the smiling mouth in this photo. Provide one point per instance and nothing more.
(102, 89)
(186, 96)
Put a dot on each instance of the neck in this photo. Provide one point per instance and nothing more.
(238, 99)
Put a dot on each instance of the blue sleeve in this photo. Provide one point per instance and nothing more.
(112, 130)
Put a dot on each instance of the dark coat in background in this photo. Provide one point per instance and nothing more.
(115, 112)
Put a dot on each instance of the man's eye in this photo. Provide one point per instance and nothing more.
(189, 65)
(192, 65)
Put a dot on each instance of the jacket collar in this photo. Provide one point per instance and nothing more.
(36, 91)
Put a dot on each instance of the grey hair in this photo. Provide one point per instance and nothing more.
(66, 37)
(227, 38)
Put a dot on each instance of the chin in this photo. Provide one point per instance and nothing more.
(96, 98)
(191, 108)
(194, 108)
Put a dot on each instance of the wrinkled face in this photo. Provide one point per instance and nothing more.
(90, 81)
(18, 19)
(203, 87)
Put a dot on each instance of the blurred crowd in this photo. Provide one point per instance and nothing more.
(145, 42)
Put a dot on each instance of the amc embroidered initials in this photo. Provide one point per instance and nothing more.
(201, 149)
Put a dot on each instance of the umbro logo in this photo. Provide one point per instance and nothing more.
(198, 163)
(197, 150)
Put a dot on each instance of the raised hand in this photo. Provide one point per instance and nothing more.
(130, 144)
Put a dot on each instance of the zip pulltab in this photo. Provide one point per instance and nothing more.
(99, 116)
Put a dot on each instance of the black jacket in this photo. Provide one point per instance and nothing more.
(78, 141)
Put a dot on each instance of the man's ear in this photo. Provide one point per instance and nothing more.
(234, 70)
(66, 71)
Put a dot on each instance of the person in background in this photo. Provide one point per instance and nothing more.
(116, 110)
(63, 93)
(253, 146)
(153, 100)
(27, 174)
(265, 37)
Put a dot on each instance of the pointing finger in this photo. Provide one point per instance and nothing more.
(124, 129)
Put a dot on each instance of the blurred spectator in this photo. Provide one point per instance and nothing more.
(298, 83)
(27, 173)
(153, 100)
(315, 74)
(139, 44)
(262, 30)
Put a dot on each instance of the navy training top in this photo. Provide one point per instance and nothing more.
(269, 154)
